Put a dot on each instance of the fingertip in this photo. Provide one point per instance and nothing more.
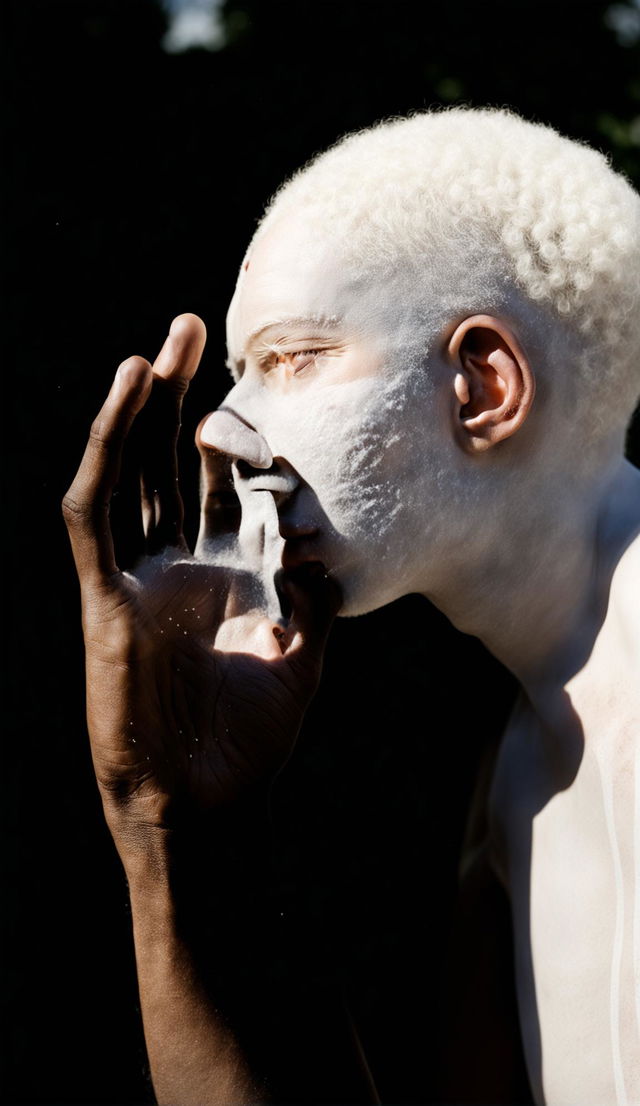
(188, 327)
(180, 355)
(134, 376)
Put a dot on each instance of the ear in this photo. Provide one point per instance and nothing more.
(494, 384)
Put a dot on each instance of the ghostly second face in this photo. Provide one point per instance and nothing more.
(331, 374)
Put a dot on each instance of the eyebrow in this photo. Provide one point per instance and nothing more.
(319, 322)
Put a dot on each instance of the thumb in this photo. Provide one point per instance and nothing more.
(314, 599)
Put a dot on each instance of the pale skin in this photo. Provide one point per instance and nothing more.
(548, 587)
(562, 614)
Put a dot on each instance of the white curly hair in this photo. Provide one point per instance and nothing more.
(479, 206)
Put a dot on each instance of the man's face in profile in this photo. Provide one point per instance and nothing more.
(329, 376)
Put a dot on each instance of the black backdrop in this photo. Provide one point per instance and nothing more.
(134, 182)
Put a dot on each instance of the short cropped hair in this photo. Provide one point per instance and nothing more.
(478, 205)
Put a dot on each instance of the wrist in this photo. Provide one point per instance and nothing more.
(146, 857)
(228, 843)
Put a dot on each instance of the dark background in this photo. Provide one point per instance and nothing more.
(133, 181)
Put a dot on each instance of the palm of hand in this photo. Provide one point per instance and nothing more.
(188, 691)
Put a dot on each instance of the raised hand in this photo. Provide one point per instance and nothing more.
(194, 694)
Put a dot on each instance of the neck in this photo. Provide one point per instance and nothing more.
(536, 594)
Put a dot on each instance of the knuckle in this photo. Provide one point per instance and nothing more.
(75, 512)
(103, 432)
(99, 433)
(180, 386)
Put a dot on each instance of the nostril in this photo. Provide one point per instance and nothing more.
(247, 471)
(278, 479)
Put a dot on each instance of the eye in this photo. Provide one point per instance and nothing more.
(296, 361)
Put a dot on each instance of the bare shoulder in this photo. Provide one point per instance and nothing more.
(620, 553)
(625, 596)
(607, 691)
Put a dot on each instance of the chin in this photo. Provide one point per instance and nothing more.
(362, 595)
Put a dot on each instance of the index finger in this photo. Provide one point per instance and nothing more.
(86, 505)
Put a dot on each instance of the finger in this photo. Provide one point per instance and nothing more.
(315, 600)
(86, 504)
(220, 511)
(162, 508)
(180, 355)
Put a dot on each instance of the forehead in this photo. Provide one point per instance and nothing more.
(292, 273)
(297, 271)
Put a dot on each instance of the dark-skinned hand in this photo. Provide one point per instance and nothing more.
(194, 695)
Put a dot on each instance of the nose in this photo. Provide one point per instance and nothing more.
(228, 433)
(254, 467)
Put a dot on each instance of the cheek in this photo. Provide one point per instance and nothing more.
(360, 446)
(311, 430)
(364, 463)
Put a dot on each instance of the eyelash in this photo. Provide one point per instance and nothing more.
(277, 356)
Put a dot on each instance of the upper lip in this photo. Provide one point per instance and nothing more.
(292, 530)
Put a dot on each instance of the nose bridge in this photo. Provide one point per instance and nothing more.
(239, 399)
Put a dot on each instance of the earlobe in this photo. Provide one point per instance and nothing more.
(493, 382)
